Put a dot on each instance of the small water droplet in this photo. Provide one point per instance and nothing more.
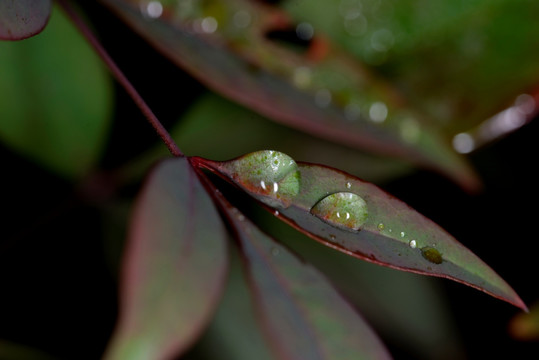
(152, 9)
(322, 98)
(275, 251)
(241, 217)
(413, 244)
(305, 31)
(378, 112)
(344, 210)
(410, 131)
(302, 77)
(403, 234)
(381, 226)
(432, 255)
(348, 185)
(382, 40)
(242, 19)
(463, 143)
(209, 25)
(276, 213)
(332, 237)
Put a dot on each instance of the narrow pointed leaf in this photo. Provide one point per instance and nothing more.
(174, 268)
(359, 219)
(333, 97)
(20, 19)
(302, 314)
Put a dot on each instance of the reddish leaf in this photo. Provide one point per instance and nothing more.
(301, 313)
(334, 98)
(359, 219)
(174, 267)
(21, 19)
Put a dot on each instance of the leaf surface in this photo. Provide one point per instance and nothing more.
(334, 97)
(55, 99)
(174, 267)
(302, 314)
(21, 19)
(357, 218)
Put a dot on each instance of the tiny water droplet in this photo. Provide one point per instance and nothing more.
(378, 112)
(432, 255)
(348, 185)
(305, 31)
(413, 244)
(276, 213)
(209, 25)
(381, 226)
(403, 234)
(332, 237)
(343, 210)
(241, 217)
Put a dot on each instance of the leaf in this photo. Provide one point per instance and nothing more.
(174, 267)
(460, 62)
(55, 99)
(333, 97)
(21, 19)
(302, 315)
(357, 218)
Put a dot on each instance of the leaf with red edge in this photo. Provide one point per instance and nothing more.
(333, 97)
(357, 218)
(174, 267)
(302, 315)
(21, 19)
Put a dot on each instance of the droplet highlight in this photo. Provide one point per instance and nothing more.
(432, 255)
(413, 244)
(344, 210)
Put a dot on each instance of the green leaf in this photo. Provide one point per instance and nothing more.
(302, 314)
(174, 267)
(357, 218)
(21, 19)
(334, 98)
(55, 99)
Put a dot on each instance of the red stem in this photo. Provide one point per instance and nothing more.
(121, 78)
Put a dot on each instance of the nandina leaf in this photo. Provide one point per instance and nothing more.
(20, 19)
(358, 218)
(174, 267)
(333, 97)
(55, 99)
(302, 314)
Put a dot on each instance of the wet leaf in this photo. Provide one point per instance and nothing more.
(301, 313)
(55, 99)
(331, 96)
(459, 62)
(384, 230)
(21, 19)
(174, 267)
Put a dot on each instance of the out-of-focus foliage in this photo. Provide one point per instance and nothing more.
(55, 99)
(22, 19)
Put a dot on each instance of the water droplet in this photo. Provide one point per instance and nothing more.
(241, 217)
(413, 244)
(403, 234)
(332, 237)
(382, 40)
(152, 9)
(378, 112)
(381, 226)
(344, 210)
(271, 176)
(410, 131)
(209, 25)
(432, 255)
(463, 143)
(242, 19)
(304, 31)
(322, 98)
(348, 185)
(276, 213)
(302, 77)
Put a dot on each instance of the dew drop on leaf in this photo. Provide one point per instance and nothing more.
(413, 244)
(432, 255)
(344, 210)
(273, 177)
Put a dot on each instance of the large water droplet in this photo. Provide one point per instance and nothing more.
(273, 177)
(344, 210)
(432, 255)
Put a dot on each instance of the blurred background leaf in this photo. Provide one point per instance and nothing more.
(55, 99)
